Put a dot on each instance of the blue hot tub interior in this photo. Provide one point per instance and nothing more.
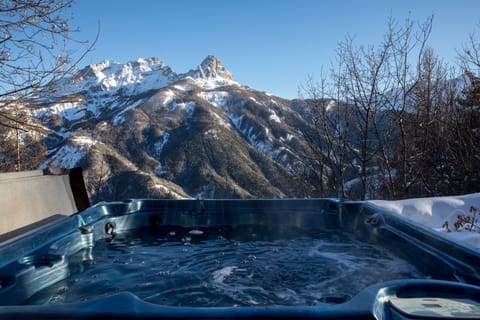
(237, 258)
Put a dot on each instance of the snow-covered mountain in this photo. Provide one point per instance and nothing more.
(140, 129)
(143, 75)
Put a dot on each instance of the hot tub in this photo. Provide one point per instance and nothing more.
(315, 258)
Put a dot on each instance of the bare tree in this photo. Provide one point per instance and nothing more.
(367, 79)
(35, 37)
(366, 139)
(315, 158)
(428, 132)
(469, 56)
(327, 154)
(407, 46)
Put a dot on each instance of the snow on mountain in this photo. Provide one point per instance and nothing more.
(274, 117)
(71, 153)
(99, 85)
(108, 90)
(143, 75)
(217, 98)
(68, 110)
(168, 191)
(119, 118)
(219, 120)
(236, 119)
(211, 68)
(441, 214)
(188, 107)
(133, 77)
(211, 74)
(160, 144)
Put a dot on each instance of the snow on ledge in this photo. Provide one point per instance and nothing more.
(434, 212)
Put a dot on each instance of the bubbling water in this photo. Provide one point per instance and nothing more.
(225, 268)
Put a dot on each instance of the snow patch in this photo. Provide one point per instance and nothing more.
(268, 134)
(265, 147)
(216, 98)
(331, 104)
(159, 186)
(220, 120)
(168, 97)
(69, 111)
(188, 107)
(236, 120)
(434, 212)
(288, 138)
(83, 141)
(160, 144)
(66, 157)
(213, 83)
(119, 119)
(274, 117)
(67, 134)
(212, 133)
(169, 192)
(183, 88)
(69, 155)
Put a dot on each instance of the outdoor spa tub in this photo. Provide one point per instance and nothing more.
(220, 259)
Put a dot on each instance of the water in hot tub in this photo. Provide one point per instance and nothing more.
(213, 268)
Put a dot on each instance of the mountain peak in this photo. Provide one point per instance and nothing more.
(146, 74)
(211, 67)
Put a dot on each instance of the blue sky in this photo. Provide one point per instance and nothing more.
(270, 45)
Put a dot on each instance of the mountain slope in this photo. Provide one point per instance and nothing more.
(142, 130)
